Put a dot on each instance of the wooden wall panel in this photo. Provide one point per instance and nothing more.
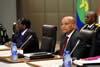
(49, 12)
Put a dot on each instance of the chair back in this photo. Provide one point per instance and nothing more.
(48, 38)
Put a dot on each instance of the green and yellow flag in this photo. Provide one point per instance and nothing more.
(81, 11)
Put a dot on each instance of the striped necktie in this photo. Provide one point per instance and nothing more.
(21, 36)
(65, 43)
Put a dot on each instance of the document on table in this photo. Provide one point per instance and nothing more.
(5, 53)
(3, 47)
(8, 53)
(82, 62)
(49, 63)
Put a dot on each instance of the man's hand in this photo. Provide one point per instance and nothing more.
(8, 44)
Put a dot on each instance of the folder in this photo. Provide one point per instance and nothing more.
(38, 55)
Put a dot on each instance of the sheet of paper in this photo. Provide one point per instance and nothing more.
(49, 63)
(8, 53)
(28, 54)
(3, 47)
(20, 51)
(5, 53)
(81, 62)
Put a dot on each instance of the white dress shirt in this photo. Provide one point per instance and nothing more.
(24, 32)
(69, 35)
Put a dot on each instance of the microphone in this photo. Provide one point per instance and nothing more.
(74, 47)
(19, 54)
(26, 42)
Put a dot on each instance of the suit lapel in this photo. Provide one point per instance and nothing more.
(21, 40)
(93, 27)
(70, 45)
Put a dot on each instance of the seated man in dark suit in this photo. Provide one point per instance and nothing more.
(90, 46)
(77, 43)
(70, 35)
(25, 38)
(91, 24)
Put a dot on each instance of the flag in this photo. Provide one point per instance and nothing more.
(99, 14)
(81, 11)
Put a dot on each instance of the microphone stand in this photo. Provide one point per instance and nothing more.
(19, 54)
(26, 41)
(74, 47)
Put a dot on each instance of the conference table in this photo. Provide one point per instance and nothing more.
(5, 61)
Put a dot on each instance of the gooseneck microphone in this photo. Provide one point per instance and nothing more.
(25, 42)
(19, 54)
(74, 47)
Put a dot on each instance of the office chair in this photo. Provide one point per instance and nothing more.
(86, 34)
(48, 43)
(87, 37)
(48, 38)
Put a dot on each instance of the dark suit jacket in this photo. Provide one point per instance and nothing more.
(72, 41)
(31, 46)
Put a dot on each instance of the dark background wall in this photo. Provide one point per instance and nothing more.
(49, 12)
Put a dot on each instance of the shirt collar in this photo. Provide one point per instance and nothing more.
(24, 32)
(89, 26)
(70, 34)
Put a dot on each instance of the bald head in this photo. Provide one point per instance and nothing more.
(70, 19)
(68, 24)
(93, 14)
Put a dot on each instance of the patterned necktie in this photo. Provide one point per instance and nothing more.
(21, 36)
(65, 43)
